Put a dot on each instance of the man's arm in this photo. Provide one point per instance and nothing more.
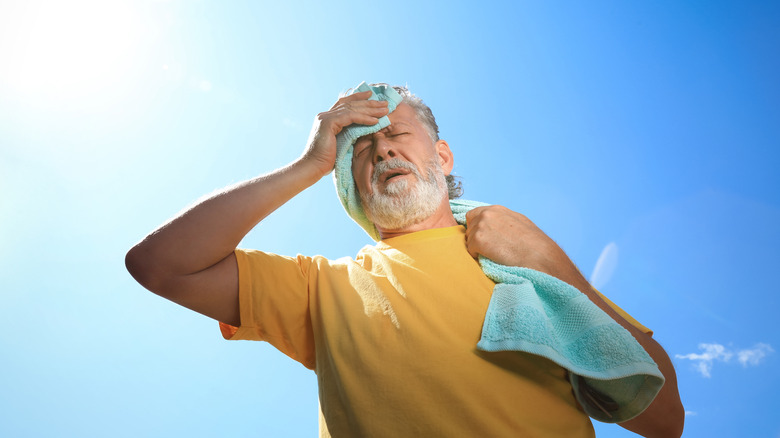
(190, 259)
(511, 239)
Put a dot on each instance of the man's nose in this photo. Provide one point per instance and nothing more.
(383, 150)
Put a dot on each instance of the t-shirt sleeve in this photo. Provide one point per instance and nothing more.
(625, 314)
(274, 304)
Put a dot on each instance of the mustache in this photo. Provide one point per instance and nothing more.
(393, 163)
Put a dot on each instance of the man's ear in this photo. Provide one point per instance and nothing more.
(446, 159)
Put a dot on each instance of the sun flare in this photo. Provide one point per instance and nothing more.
(65, 50)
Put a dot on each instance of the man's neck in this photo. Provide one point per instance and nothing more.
(442, 218)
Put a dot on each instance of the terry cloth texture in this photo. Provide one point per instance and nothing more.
(613, 377)
(345, 141)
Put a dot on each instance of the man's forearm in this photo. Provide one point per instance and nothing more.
(190, 260)
(510, 238)
(209, 231)
(665, 416)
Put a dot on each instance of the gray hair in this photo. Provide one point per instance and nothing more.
(425, 116)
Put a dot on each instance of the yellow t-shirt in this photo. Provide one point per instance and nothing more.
(392, 338)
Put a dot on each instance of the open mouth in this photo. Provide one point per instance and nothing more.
(392, 174)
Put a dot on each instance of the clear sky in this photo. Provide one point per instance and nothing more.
(642, 136)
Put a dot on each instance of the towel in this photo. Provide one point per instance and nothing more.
(345, 140)
(613, 377)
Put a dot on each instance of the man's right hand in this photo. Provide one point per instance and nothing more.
(190, 260)
(355, 108)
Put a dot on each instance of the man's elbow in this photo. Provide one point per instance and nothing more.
(141, 268)
(671, 421)
(660, 420)
(675, 424)
(673, 428)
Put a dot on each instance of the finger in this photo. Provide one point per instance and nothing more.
(361, 95)
(469, 216)
(341, 110)
(361, 111)
(373, 106)
(358, 95)
(361, 114)
(471, 247)
(366, 107)
(363, 104)
(360, 103)
(362, 119)
(355, 97)
(336, 122)
(472, 215)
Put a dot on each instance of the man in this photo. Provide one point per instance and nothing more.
(392, 333)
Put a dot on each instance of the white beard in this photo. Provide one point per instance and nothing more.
(404, 202)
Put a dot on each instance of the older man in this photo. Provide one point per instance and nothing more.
(390, 334)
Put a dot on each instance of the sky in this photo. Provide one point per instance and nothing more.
(641, 136)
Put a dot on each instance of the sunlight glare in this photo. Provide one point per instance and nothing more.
(65, 50)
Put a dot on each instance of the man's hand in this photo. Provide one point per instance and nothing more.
(190, 259)
(511, 239)
(355, 108)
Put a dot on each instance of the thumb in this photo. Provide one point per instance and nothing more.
(471, 215)
(471, 244)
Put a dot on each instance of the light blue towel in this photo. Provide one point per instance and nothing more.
(613, 377)
(345, 140)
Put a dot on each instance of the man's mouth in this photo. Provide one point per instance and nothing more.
(391, 174)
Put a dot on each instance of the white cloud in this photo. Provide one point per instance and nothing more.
(704, 361)
(712, 352)
(753, 356)
(690, 413)
(605, 266)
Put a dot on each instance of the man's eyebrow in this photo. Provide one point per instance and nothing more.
(400, 122)
(387, 128)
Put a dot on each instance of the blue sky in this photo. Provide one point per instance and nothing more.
(641, 134)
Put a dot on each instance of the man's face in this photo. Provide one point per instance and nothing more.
(405, 139)
(398, 172)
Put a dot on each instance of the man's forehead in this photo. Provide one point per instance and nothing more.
(390, 128)
(402, 112)
(403, 115)
(396, 124)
